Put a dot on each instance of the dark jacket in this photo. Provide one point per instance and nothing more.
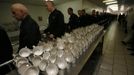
(85, 20)
(6, 51)
(29, 33)
(73, 21)
(56, 24)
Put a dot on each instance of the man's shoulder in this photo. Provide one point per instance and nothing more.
(74, 15)
(28, 20)
(1, 28)
(58, 11)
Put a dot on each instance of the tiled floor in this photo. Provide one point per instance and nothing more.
(116, 59)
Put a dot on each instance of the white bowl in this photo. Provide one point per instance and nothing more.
(46, 55)
(52, 69)
(25, 52)
(36, 61)
(38, 50)
(32, 71)
(23, 68)
(69, 57)
(60, 53)
(43, 64)
(52, 58)
(20, 61)
(61, 63)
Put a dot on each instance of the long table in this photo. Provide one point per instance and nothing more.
(76, 67)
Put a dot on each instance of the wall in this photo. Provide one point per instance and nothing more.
(88, 6)
(76, 5)
(34, 11)
(37, 11)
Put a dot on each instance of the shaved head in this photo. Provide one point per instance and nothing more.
(49, 5)
(19, 6)
(19, 11)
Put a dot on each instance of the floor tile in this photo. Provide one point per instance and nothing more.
(115, 72)
(114, 51)
(119, 56)
(108, 56)
(104, 72)
(119, 67)
(119, 53)
(130, 72)
(119, 61)
(130, 62)
(106, 66)
(107, 60)
(130, 57)
(130, 67)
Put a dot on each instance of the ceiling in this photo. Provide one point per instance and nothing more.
(127, 3)
(34, 2)
(120, 2)
(40, 2)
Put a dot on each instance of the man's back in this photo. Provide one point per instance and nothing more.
(73, 21)
(29, 33)
(56, 24)
(6, 51)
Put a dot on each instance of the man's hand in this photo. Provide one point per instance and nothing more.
(51, 36)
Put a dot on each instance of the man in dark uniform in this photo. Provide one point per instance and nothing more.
(56, 27)
(6, 51)
(88, 19)
(73, 20)
(84, 18)
(80, 18)
(29, 29)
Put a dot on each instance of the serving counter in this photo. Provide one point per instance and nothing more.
(85, 56)
(81, 56)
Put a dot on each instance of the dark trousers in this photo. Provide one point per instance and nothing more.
(6, 69)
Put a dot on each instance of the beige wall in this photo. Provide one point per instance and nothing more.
(38, 10)
(34, 11)
(76, 5)
(89, 6)
(5, 14)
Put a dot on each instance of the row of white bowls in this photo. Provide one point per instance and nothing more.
(57, 55)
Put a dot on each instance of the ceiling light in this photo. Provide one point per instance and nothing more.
(108, 3)
(49, 0)
(114, 7)
(109, 10)
(105, 1)
(122, 8)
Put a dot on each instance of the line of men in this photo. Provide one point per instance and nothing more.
(29, 30)
(127, 23)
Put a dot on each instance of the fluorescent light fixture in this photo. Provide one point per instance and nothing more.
(49, 0)
(108, 3)
(114, 7)
(122, 8)
(108, 10)
(105, 1)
